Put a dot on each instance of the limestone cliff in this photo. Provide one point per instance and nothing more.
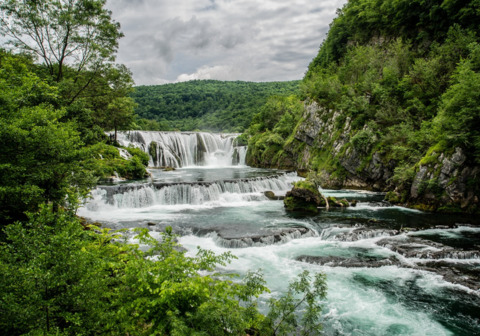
(324, 142)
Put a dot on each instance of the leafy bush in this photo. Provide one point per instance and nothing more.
(59, 279)
(363, 140)
(107, 161)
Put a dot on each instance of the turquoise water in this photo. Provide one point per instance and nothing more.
(385, 265)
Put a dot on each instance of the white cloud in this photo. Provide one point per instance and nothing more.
(173, 40)
(220, 72)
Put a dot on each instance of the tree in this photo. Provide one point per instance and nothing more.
(54, 277)
(80, 33)
(458, 121)
(41, 156)
(76, 40)
(119, 114)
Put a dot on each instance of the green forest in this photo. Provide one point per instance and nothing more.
(206, 105)
(396, 80)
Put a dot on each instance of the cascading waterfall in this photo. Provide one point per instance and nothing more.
(186, 149)
(197, 193)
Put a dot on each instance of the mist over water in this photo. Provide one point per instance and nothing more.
(388, 268)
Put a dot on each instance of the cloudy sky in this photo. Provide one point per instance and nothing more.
(253, 40)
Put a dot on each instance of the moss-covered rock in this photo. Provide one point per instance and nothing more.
(304, 197)
(235, 157)
(107, 162)
(271, 195)
(153, 151)
(201, 149)
(335, 203)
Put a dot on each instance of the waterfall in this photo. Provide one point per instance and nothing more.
(194, 193)
(186, 149)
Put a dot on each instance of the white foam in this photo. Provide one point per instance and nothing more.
(347, 302)
(373, 207)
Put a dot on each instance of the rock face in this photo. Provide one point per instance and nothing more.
(153, 151)
(304, 197)
(200, 151)
(326, 142)
(446, 180)
(235, 157)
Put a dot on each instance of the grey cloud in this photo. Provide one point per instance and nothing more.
(166, 40)
(288, 56)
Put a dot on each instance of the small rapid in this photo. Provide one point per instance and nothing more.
(188, 193)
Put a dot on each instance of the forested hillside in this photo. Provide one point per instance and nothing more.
(206, 105)
(391, 102)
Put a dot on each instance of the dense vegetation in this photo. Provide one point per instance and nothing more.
(52, 150)
(401, 78)
(60, 276)
(60, 279)
(206, 105)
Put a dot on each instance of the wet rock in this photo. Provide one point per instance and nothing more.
(363, 233)
(136, 136)
(168, 168)
(201, 150)
(153, 151)
(410, 247)
(271, 196)
(304, 197)
(235, 157)
(271, 237)
(335, 261)
(457, 273)
(414, 247)
(335, 203)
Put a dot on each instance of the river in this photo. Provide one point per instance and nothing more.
(390, 270)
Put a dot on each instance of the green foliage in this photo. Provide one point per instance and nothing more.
(205, 104)
(271, 128)
(144, 158)
(41, 156)
(458, 121)
(106, 162)
(361, 22)
(54, 277)
(308, 185)
(283, 316)
(363, 140)
(59, 279)
(150, 125)
(80, 33)
(241, 140)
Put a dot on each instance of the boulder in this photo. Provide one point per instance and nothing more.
(304, 197)
(335, 203)
(271, 196)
